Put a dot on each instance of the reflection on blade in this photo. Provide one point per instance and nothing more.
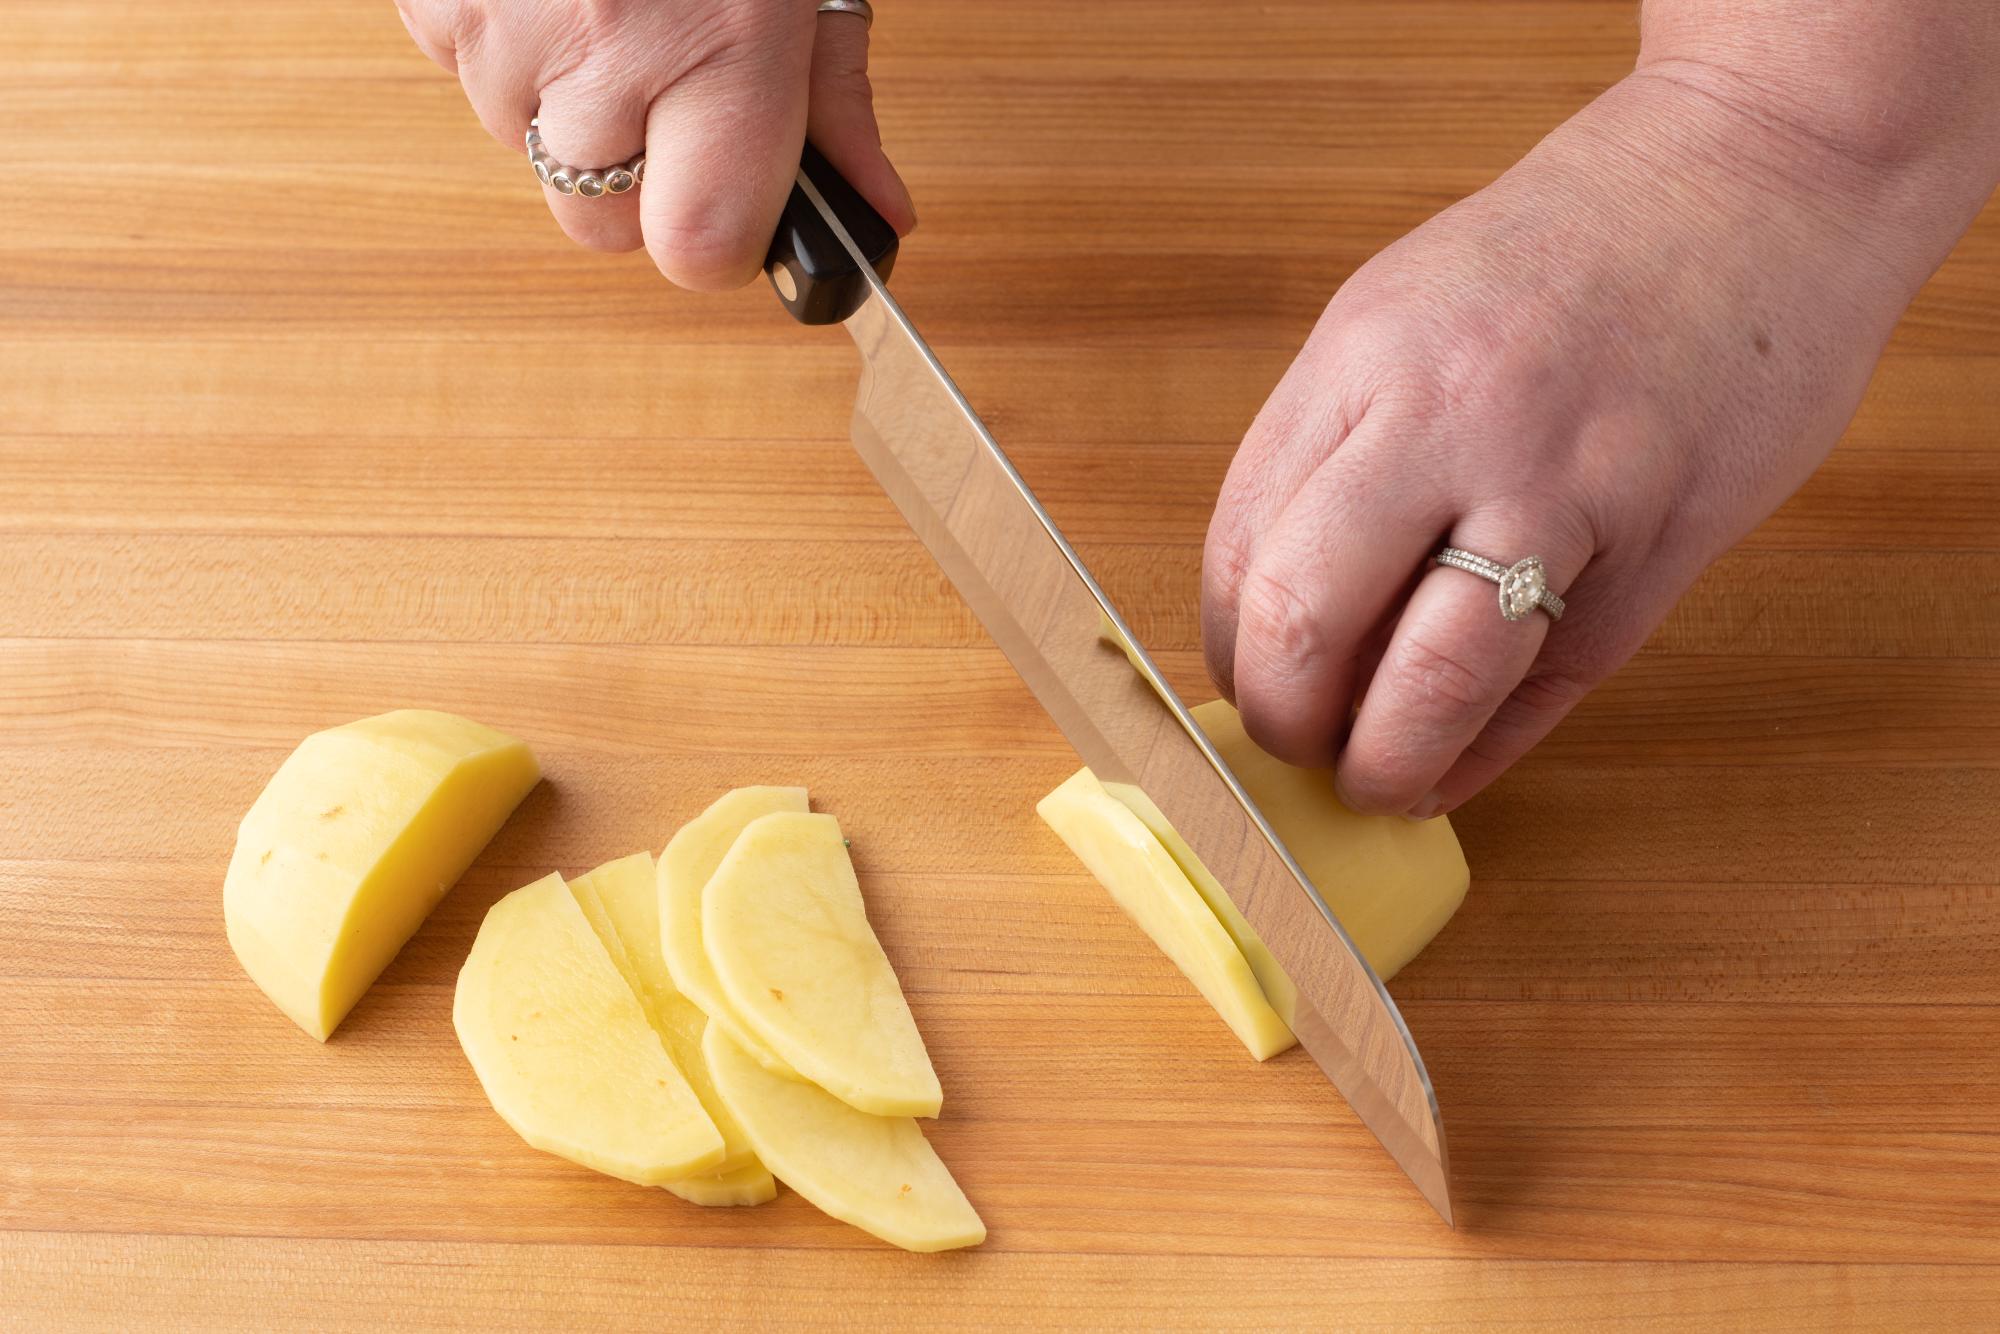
(966, 502)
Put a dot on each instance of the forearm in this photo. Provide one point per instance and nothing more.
(1896, 98)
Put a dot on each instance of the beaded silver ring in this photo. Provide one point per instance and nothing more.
(590, 182)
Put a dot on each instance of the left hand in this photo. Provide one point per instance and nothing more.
(1620, 357)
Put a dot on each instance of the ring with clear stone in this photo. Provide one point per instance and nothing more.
(590, 182)
(1524, 585)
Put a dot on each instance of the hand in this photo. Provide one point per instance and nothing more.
(721, 94)
(1620, 357)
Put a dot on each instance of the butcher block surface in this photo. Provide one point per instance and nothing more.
(307, 411)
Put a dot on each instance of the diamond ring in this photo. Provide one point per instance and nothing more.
(1524, 585)
(590, 182)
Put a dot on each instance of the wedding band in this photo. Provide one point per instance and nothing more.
(1524, 585)
(861, 9)
(590, 182)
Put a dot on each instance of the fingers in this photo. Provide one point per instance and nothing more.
(1611, 609)
(722, 150)
(1451, 664)
(840, 119)
(502, 67)
(1338, 558)
(429, 35)
(589, 122)
(1297, 429)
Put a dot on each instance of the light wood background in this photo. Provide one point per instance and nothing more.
(307, 411)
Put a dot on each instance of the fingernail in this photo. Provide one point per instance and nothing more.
(1425, 809)
(1340, 787)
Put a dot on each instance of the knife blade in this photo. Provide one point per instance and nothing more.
(1007, 558)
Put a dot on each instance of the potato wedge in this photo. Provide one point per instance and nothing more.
(564, 1050)
(353, 842)
(785, 928)
(621, 899)
(1151, 887)
(877, 1172)
(685, 867)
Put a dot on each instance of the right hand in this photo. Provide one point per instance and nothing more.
(721, 94)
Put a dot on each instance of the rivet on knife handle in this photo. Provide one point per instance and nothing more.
(811, 271)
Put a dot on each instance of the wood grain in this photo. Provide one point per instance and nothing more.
(1716, 1034)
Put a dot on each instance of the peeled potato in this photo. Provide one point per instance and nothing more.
(353, 842)
(564, 1050)
(749, 1185)
(1392, 883)
(1150, 886)
(1271, 979)
(785, 929)
(621, 899)
(877, 1172)
(685, 867)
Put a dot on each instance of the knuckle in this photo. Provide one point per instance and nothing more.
(1441, 681)
(1552, 691)
(1278, 625)
(701, 254)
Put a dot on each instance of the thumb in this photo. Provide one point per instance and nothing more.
(841, 119)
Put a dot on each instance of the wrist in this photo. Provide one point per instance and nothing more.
(1888, 110)
(1742, 165)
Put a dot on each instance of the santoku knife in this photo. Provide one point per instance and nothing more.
(997, 544)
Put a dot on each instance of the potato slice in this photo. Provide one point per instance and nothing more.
(1271, 979)
(743, 1187)
(353, 842)
(1147, 883)
(621, 899)
(685, 867)
(564, 1050)
(786, 931)
(1392, 883)
(877, 1172)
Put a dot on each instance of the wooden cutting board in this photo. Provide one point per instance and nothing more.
(306, 411)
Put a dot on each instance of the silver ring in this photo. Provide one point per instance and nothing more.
(590, 182)
(1524, 585)
(861, 9)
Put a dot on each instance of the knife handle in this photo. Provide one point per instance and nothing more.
(810, 270)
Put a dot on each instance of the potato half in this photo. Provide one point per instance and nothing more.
(353, 842)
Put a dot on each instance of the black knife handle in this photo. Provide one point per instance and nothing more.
(809, 268)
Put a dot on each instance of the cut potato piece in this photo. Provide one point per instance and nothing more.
(785, 929)
(1392, 883)
(564, 1050)
(353, 842)
(1151, 887)
(877, 1172)
(745, 1186)
(685, 868)
(621, 899)
(1271, 979)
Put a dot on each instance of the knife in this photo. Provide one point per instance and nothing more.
(954, 484)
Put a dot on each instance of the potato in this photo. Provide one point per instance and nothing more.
(785, 929)
(621, 900)
(353, 842)
(745, 1186)
(877, 1172)
(564, 1050)
(1147, 883)
(690, 859)
(1271, 979)
(1392, 883)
